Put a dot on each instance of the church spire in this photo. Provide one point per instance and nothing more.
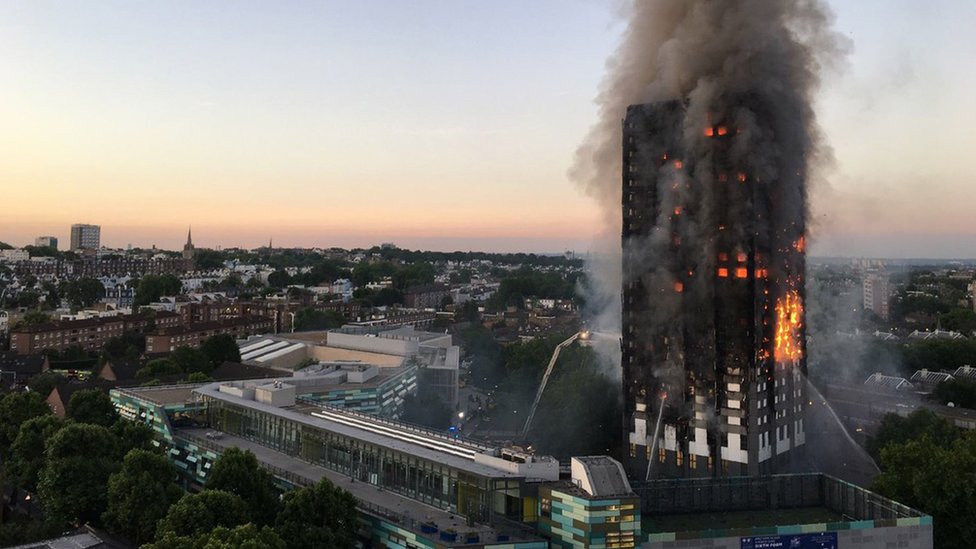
(188, 250)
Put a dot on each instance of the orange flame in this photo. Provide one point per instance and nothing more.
(789, 320)
(800, 245)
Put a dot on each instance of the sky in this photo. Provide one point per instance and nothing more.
(432, 124)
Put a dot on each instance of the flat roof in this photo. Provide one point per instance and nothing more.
(695, 522)
(362, 491)
(163, 394)
(459, 463)
(334, 354)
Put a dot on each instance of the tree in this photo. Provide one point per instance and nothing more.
(310, 319)
(133, 436)
(895, 429)
(32, 318)
(467, 312)
(28, 299)
(159, 367)
(321, 515)
(279, 279)
(198, 377)
(126, 347)
(44, 382)
(140, 494)
(190, 360)
(580, 398)
(83, 292)
(15, 409)
(237, 471)
(221, 348)
(935, 479)
(92, 406)
(23, 466)
(153, 287)
(959, 392)
(245, 536)
(232, 283)
(52, 297)
(41, 251)
(78, 461)
(200, 513)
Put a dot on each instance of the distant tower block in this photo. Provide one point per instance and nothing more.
(713, 337)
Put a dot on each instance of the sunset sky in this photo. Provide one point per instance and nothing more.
(431, 124)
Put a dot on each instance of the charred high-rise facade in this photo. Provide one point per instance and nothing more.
(713, 262)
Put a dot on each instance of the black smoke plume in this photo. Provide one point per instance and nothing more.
(756, 62)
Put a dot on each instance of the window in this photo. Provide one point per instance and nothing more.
(633, 450)
(662, 455)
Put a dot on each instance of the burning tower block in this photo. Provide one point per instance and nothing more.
(713, 261)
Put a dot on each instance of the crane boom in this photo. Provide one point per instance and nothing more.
(545, 380)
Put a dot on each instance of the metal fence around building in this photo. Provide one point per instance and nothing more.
(715, 495)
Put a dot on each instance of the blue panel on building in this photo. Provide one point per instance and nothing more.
(826, 540)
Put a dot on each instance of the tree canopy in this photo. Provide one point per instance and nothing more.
(895, 429)
(78, 461)
(140, 494)
(190, 360)
(153, 287)
(23, 466)
(220, 348)
(15, 409)
(197, 514)
(321, 515)
(157, 368)
(83, 292)
(309, 319)
(937, 479)
(92, 406)
(237, 471)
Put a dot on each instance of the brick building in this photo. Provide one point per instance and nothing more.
(427, 296)
(192, 335)
(281, 312)
(93, 267)
(89, 334)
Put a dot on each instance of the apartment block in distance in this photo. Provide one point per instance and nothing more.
(89, 334)
(85, 237)
(47, 241)
(193, 335)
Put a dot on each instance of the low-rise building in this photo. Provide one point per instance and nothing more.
(16, 369)
(574, 513)
(89, 334)
(193, 335)
(426, 296)
(927, 380)
(420, 488)
(14, 255)
(358, 387)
